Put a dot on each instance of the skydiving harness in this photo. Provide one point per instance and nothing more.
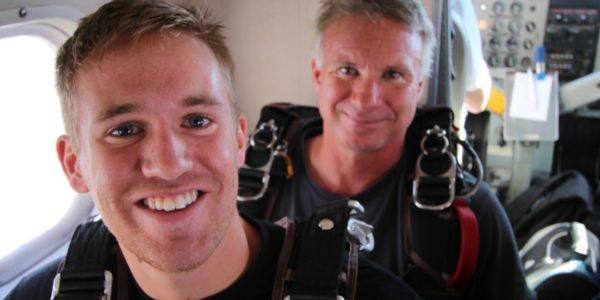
(94, 267)
(437, 181)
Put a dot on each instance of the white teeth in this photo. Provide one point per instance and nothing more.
(191, 197)
(158, 205)
(181, 201)
(150, 204)
(168, 205)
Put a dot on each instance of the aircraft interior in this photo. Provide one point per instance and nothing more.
(533, 138)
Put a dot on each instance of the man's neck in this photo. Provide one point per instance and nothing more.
(346, 172)
(228, 262)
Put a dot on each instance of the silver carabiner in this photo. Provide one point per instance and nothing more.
(359, 231)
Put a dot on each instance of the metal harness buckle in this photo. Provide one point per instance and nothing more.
(359, 231)
(264, 138)
(434, 188)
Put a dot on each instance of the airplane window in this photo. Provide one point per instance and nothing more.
(36, 194)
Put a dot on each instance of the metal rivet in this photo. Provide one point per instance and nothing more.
(23, 12)
(326, 224)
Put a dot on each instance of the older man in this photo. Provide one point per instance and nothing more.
(372, 61)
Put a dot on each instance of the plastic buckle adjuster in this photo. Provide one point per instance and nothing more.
(83, 286)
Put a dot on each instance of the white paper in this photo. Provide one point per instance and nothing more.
(530, 97)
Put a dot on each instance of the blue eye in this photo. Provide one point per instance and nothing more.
(125, 130)
(196, 121)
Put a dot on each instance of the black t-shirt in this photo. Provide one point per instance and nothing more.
(257, 283)
(499, 273)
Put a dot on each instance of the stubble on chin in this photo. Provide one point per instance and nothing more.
(169, 259)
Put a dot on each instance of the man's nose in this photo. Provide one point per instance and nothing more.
(368, 93)
(165, 156)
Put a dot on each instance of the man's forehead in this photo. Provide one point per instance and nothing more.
(372, 50)
(146, 70)
(352, 37)
(361, 31)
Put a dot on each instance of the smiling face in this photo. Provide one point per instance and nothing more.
(368, 83)
(159, 148)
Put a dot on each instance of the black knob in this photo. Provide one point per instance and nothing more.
(495, 43)
(493, 60)
(512, 43)
(510, 61)
(530, 26)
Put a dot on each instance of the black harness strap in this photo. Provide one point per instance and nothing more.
(315, 269)
(85, 273)
(282, 277)
(420, 274)
(257, 179)
(310, 264)
(434, 188)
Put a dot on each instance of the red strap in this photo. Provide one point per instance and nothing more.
(469, 245)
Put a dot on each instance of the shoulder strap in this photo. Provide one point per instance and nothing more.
(425, 278)
(436, 178)
(85, 273)
(317, 260)
(268, 163)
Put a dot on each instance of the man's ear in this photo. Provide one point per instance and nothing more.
(316, 73)
(241, 137)
(69, 161)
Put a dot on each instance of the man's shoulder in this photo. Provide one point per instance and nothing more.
(37, 285)
(271, 234)
(374, 282)
(484, 199)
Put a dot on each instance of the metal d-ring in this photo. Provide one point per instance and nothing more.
(270, 125)
(440, 133)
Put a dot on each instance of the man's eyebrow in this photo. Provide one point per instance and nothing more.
(116, 110)
(344, 62)
(121, 109)
(202, 100)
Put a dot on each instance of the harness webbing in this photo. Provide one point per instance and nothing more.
(314, 267)
(284, 115)
(310, 266)
(85, 273)
(469, 245)
(259, 179)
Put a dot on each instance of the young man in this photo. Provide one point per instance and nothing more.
(373, 58)
(154, 135)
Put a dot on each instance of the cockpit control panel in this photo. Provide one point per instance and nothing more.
(511, 30)
(571, 37)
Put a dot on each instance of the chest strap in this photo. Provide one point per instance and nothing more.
(317, 260)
